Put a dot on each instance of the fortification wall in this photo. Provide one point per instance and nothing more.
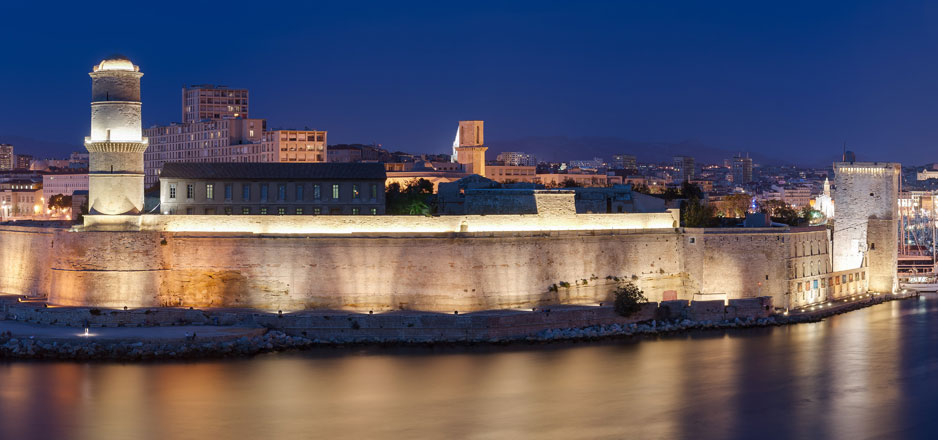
(442, 272)
(24, 260)
(474, 271)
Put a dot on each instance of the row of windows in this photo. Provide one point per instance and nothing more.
(831, 281)
(299, 193)
(279, 210)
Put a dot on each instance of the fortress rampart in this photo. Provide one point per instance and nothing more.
(367, 263)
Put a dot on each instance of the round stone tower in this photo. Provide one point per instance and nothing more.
(116, 145)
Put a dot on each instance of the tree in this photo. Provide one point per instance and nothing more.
(691, 190)
(60, 202)
(737, 205)
(641, 188)
(771, 207)
(695, 214)
(416, 198)
(629, 299)
(569, 183)
(670, 194)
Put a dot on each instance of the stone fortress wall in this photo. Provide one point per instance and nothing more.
(246, 263)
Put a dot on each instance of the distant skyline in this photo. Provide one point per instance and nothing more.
(793, 80)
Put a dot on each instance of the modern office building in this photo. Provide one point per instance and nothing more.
(7, 158)
(624, 162)
(516, 159)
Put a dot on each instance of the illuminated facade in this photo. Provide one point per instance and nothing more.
(307, 146)
(116, 145)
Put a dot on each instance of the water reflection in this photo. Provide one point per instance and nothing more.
(866, 374)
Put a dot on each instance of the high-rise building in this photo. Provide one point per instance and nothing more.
(624, 162)
(7, 160)
(307, 146)
(517, 159)
(116, 144)
(208, 101)
(742, 169)
(684, 169)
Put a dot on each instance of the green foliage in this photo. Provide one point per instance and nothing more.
(416, 198)
(569, 183)
(564, 284)
(695, 214)
(60, 201)
(737, 205)
(641, 188)
(691, 190)
(629, 299)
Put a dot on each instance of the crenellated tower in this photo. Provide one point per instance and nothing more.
(116, 145)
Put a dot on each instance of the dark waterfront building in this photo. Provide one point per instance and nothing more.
(272, 188)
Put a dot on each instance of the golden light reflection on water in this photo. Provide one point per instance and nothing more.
(852, 376)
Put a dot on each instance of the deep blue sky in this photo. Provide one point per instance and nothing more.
(792, 79)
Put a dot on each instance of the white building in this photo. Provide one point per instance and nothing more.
(65, 184)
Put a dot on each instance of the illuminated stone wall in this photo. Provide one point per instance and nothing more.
(435, 271)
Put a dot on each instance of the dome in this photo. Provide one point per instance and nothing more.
(116, 62)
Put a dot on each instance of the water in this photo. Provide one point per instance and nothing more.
(872, 373)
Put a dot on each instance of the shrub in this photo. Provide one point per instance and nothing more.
(564, 284)
(629, 299)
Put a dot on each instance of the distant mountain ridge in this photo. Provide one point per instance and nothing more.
(563, 148)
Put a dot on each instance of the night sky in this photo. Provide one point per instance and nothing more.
(789, 79)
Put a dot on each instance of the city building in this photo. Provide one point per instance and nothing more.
(295, 146)
(624, 162)
(824, 203)
(225, 140)
(65, 184)
(21, 199)
(7, 157)
(594, 163)
(516, 159)
(22, 161)
(684, 169)
(272, 188)
(513, 173)
(78, 160)
(207, 101)
(742, 169)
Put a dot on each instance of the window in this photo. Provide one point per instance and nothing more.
(227, 191)
(299, 211)
(209, 211)
(246, 211)
(190, 191)
(281, 211)
(263, 211)
(210, 191)
(355, 193)
(172, 190)
(374, 191)
(264, 192)
(227, 210)
(316, 192)
(374, 211)
(355, 211)
(335, 191)
(317, 211)
(282, 192)
(188, 211)
(299, 192)
(246, 192)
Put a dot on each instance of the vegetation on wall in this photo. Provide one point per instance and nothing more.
(629, 299)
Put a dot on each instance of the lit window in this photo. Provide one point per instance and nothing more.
(355, 193)
(374, 191)
(355, 211)
(281, 211)
(317, 211)
(316, 192)
(172, 190)
(263, 211)
(227, 210)
(374, 211)
(245, 210)
(299, 211)
(335, 191)
(210, 191)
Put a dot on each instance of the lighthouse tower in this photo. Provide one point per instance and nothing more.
(116, 145)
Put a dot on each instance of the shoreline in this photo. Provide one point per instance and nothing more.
(240, 340)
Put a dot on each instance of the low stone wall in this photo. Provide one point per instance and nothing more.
(396, 326)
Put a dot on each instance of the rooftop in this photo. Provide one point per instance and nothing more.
(273, 171)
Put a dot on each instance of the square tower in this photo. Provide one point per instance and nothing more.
(866, 196)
